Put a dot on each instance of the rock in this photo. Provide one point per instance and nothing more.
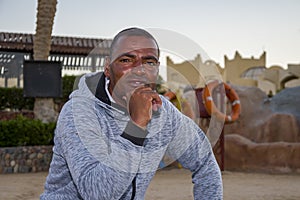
(8, 170)
(12, 163)
(28, 162)
(32, 155)
(287, 102)
(263, 120)
(7, 163)
(33, 169)
(244, 155)
(40, 156)
(278, 127)
(24, 159)
(7, 156)
(24, 149)
(266, 137)
(16, 168)
(24, 169)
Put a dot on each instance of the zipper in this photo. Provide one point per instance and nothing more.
(133, 188)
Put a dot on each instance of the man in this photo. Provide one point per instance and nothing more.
(115, 129)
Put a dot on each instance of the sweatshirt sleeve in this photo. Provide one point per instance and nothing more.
(134, 134)
(98, 169)
(193, 150)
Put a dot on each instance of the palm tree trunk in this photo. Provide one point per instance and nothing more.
(44, 108)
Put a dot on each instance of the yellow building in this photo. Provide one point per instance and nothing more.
(192, 73)
(237, 71)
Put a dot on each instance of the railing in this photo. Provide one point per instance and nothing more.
(11, 65)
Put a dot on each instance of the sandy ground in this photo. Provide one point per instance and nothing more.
(173, 184)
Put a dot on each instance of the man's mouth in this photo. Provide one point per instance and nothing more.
(137, 83)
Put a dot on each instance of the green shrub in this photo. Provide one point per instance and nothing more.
(68, 84)
(25, 132)
(13, 98)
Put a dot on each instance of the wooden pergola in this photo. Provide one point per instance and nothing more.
(75, 53)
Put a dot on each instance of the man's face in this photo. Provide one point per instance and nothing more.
(133, 63)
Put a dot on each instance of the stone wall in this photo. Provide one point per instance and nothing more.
(242, 154)
(25, 159)
(266, 138)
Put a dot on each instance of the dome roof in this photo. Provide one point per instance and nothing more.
(253, 72)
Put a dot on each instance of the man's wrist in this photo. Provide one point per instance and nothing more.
(139, 124)
(135, 133)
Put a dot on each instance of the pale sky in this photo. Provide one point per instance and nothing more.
(219, 27)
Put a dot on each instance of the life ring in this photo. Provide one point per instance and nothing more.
(174, 99)
(170, 95)
(230, 94)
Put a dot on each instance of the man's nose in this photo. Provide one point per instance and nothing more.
(138, 63)
(139, 68)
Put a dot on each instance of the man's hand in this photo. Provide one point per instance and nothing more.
(141, 103)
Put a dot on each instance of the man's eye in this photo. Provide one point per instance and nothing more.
(126, 60)
(151, 63)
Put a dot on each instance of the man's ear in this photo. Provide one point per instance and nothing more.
(106, 67)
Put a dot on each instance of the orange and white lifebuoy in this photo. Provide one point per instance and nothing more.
(230, 94)
(174, 98)
(170, 95)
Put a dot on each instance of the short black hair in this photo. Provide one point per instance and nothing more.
(132, 32)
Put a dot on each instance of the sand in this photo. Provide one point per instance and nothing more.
(173, 184)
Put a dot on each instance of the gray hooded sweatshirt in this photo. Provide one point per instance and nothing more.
(99, 153)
